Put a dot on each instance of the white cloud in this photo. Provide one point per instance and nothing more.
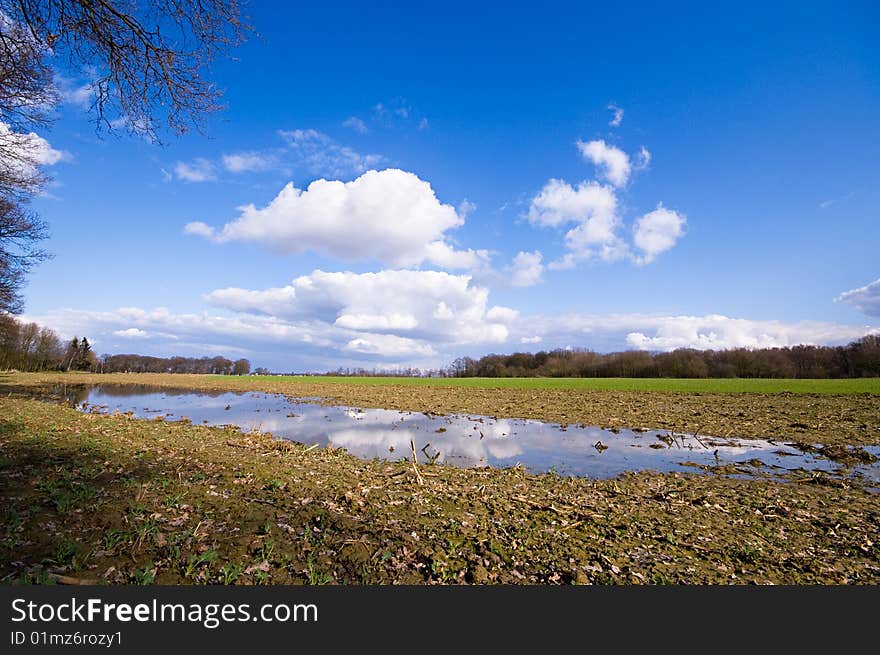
(866, 299)
(531, 339)
(656, 232)
(501, 314)
(79, 96)
(356, 124)
(321, 155)
(465, 208)
(593, 207)
(390, 216)
(718, 332)
(388, 345)
(28, 151)
(433, 306)
(613, 163)
(199, 229)
(243, 162)
(617, 117)
(132, 333)
(199, 170)
(666, 332)
(559, 203)
(526, 269)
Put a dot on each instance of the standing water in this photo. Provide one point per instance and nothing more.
(460, 440)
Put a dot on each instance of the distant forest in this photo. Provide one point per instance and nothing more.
(29, 347)
(858, 359)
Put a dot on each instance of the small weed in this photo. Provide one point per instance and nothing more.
(113, 538)
(230, 572)
(146, 575)
(274, 485)
(66, 552)
(195, 561)
(173, 500)
(316, 578)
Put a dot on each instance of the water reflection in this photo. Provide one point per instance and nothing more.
(467, 441)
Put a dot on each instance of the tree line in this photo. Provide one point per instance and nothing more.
(30, 347)
(858, 359)
(146, 364)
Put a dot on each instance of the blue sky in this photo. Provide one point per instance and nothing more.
(498, 178)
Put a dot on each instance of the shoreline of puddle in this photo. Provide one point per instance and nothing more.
(471, 441)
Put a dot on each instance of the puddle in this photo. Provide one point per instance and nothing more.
(459, 440)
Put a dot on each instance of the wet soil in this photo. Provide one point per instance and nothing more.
(111, 499)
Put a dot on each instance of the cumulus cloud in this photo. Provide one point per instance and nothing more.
(321, 155)
(355, 124)
(243, 162)
(612, 162)
(617, 115)
(432, 306)
(526, 269)
(390, 216)
(656, 232)
(559, 203)
(199, 170)
(866, 299)
(593, 209)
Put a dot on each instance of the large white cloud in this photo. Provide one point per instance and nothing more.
(866, 299)
(657, 231)
(430, 305)
(612, 162)
(389, 216)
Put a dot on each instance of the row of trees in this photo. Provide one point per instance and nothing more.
(29, 347)
(858, 359)
(146, 364)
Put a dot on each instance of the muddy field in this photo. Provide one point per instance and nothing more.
(108, 499)
(833, 420)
